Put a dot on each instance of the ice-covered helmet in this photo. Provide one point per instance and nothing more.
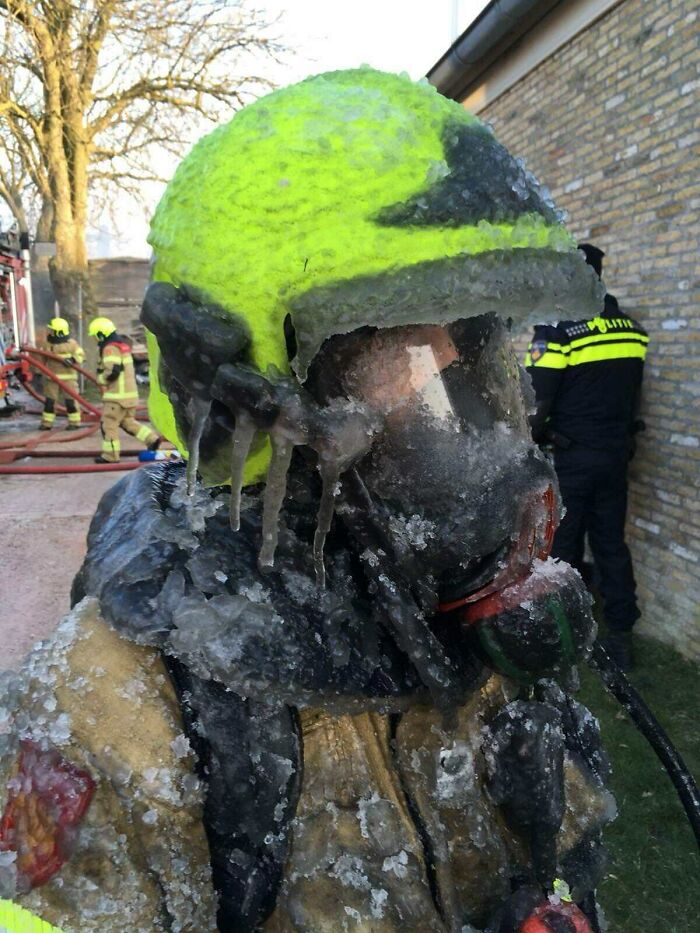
(352, 198)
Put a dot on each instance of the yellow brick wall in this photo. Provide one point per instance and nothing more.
(611, 124)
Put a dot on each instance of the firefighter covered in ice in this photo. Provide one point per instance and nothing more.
(317, 681)
(59, 342)
(116, 373)
(587, 376)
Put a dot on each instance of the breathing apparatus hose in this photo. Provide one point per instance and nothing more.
(645, 721)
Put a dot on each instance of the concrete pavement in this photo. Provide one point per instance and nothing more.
(44, 522)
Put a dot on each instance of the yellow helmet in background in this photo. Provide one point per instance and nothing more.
(59, 326)
(101, 327)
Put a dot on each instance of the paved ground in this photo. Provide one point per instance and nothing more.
(44, 522)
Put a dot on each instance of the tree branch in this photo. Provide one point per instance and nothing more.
(93, 94)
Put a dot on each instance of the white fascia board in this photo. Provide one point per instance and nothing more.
(552, 32)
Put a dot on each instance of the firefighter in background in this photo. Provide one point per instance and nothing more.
(587, 377)
(116, 373)
(59, 342)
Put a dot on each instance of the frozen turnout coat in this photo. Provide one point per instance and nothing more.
(257, 743)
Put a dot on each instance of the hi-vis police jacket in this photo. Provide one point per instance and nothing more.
(587, 376)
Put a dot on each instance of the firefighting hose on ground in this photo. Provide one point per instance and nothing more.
(29, 359)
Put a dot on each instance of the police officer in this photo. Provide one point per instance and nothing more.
(587, 377)
(60, 343)
(116, 374)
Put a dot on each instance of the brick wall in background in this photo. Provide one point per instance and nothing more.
(611, 124)
(118, 287)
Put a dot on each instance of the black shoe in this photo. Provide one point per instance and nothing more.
(102, 460)
(46, 427)
(154, 445)
(73, 427)
(619, 648)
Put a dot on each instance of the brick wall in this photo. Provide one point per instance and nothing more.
(118, 287)
(611, 124)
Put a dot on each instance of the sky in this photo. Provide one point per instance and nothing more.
(325, 35)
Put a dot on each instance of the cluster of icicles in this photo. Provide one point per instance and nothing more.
(197, 339)
(340, 433)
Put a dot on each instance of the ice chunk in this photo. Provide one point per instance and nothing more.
(8, 875)
(60, 731)
(380, 896)
(181, 746)
(397, 864)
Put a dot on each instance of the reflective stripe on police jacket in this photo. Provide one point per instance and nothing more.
(575, 343)
(587, 376)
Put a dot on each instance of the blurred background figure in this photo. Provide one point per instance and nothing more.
(116, 373)
(587, 377)
(59, 342)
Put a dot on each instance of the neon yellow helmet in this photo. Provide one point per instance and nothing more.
(353, 198)
(100, 327)
(59, 326)
(16, 919)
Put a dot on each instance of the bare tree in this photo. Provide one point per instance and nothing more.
(92, 92)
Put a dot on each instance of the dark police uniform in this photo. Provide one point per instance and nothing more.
(587, 377)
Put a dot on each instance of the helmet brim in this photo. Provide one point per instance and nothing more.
(522, 285)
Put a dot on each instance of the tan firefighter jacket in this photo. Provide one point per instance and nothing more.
(116, 352)
(67, 348)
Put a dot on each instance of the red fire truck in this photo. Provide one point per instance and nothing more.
(16, 309)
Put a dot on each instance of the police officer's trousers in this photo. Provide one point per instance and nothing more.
(593, 486)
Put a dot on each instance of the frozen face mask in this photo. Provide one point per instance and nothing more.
(465, 497)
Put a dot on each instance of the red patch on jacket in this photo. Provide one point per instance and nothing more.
(48, 798)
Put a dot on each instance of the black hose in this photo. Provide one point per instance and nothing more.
(590, 908)
(643, 718)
